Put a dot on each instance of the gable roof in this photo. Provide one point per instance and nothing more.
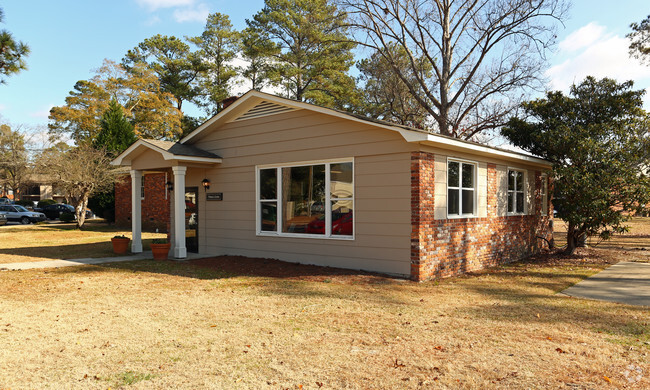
(169, 151)
(255, 104)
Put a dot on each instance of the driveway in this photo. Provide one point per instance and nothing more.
(625, 282)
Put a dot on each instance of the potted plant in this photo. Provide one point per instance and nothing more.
(160, 248)
(120, 244)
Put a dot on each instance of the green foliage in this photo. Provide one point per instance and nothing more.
(218, 45)
(12, 53)
(254, 49)
(597, 138)
(116, 132)
(389, 98)
(25, 202)
(103, 205)
(189, 124)
(306, 43)
(172, 60)
(640, 40)
(66, 217)
(45, 202)
(159, 241)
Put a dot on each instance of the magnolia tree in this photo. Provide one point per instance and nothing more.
(79, 172)
(598, 140)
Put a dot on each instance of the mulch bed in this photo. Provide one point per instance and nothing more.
(260, 267)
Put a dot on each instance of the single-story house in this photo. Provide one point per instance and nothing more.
(276, 178)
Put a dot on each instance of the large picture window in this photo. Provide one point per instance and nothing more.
(461, 188)
(516, 192)
(315, 200)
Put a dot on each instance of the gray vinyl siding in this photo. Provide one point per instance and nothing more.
(382, 190)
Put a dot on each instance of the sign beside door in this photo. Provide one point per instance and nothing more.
(214, 196)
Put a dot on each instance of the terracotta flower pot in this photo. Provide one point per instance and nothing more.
(120, 245)
(160, 251)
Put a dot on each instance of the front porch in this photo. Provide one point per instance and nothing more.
(175, 160)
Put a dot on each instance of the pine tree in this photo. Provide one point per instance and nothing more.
(306, 44)
(116, 132)
(12, 53)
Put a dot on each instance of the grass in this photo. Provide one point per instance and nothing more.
(19, 243)
(227, 323)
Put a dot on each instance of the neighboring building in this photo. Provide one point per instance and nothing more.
(37, 187)
(301, 183)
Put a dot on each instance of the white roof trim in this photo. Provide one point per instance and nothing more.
(409, 135)
(165, 154)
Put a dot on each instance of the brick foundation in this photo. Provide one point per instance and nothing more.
(155, 208)
(449, 247)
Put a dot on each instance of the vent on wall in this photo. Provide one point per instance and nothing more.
(263, 109)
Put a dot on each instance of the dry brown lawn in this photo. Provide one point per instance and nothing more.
(237, 323)
(27, 243)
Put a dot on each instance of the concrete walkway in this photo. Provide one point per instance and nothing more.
(625, 282)
(89, 261)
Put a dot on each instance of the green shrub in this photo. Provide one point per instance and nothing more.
(45, 202)
(26, 203)
(66, 217)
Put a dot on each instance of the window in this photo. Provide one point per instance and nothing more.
(142, 187)
(516, 192)
(315, 200)
(461, 188)
(544, 194)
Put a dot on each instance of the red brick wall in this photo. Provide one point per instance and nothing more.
(448, 247)
(155, 208)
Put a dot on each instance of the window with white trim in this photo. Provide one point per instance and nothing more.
(461, 188)
(544, 194)
(313, 200)
(516, 191)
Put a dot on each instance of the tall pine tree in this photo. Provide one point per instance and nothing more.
(306, 43)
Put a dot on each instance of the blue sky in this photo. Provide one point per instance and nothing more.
(69, 39)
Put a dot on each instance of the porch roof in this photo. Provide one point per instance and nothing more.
(169, 151)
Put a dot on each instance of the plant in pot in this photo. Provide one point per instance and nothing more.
(160, 248)
(120, 244)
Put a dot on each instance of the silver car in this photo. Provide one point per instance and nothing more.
(18, 213)
(3, 219)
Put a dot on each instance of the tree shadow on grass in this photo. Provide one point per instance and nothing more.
(524, 301)
(65, 252)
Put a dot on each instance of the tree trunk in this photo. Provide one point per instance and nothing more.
(80, 211)
(571, 240)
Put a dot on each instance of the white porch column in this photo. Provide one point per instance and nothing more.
(136, 211)
(180, 251)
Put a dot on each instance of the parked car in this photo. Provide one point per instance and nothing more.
(20, 214)
(6, 201)
(54, 211)
(3, 219)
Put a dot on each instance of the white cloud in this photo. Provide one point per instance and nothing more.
(194, 13)
(583, 37)
(153, 5)
(592, 51)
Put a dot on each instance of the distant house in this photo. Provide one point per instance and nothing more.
(37, 187)
(276, 178)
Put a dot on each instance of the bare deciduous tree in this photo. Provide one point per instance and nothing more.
(79, 172)
(15, 165)
(483, 53)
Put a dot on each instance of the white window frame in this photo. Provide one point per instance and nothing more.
(280, 208)
(474, 213)
(544, 194)
(524, 176)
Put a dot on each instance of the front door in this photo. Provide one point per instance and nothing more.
(191, 219)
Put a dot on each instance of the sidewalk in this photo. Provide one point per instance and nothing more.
(89, 261)
(625, 282)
